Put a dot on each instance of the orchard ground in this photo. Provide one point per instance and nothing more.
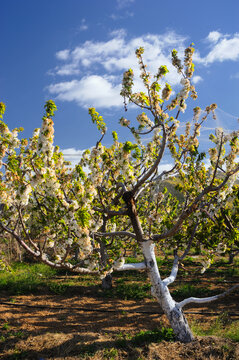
(42, 318)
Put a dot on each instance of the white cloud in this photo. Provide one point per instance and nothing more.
(99, 65)
(214, 36)
(196, 79)
(118, 33)
(63, 54)
(93, 90)
(67, 69)
(119, 54)
(112, 57)
(164, 167)
(223, 47)
(73, 155)
(226, 49)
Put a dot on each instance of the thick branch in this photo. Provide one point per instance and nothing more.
(116, 233)
(128, 198)
(136, 266)
(207, 299)
(155, 165)
(111, 213)
(170, 279)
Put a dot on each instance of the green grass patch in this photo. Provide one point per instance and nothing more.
(27, 278)
(145, 337)
(132, 291)
(222, 326)
(188, 290)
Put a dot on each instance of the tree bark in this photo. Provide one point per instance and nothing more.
(161, 292)
(159, 289)
(107, 282)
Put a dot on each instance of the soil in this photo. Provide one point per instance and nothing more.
(60, 330)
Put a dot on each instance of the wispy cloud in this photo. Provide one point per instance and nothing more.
(99, 66)
(235, 76)
(124, 3)
(83, 26)
(63, 54)
(223, 47)
(214, 36)
(117, 16)
(92, 90)
(196, 79)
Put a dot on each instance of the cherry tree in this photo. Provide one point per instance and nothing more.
(219, 232)
(112, 201)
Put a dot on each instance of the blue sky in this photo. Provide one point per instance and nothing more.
(75, 52)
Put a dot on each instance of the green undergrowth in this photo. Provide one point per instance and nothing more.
(145, 337)
(129, 291)
(222, 326)
(187, 290)
(40, 278)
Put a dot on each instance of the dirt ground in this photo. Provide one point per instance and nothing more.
(61, 330)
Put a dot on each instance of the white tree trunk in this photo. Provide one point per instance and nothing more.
(161, 292)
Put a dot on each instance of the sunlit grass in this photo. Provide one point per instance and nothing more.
(219, 327)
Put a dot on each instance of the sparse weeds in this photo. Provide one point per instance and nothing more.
(7, 333)
(58, 288)
(110, 354)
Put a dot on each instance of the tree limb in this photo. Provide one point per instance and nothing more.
(170, 279)
(116, 233)
(207, 299)
(135, 266)
(155, 165)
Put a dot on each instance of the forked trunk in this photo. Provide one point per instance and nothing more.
(161, 292)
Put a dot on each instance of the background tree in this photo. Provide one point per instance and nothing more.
(112, 200)
(218, 232)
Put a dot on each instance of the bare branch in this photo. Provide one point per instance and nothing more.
(205, 300)
(154, 166)
(99, 141)
(165, 173)
(170, 279)
(209, 215)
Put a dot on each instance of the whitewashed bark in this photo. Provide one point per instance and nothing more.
(132, 266)
(161, 292)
